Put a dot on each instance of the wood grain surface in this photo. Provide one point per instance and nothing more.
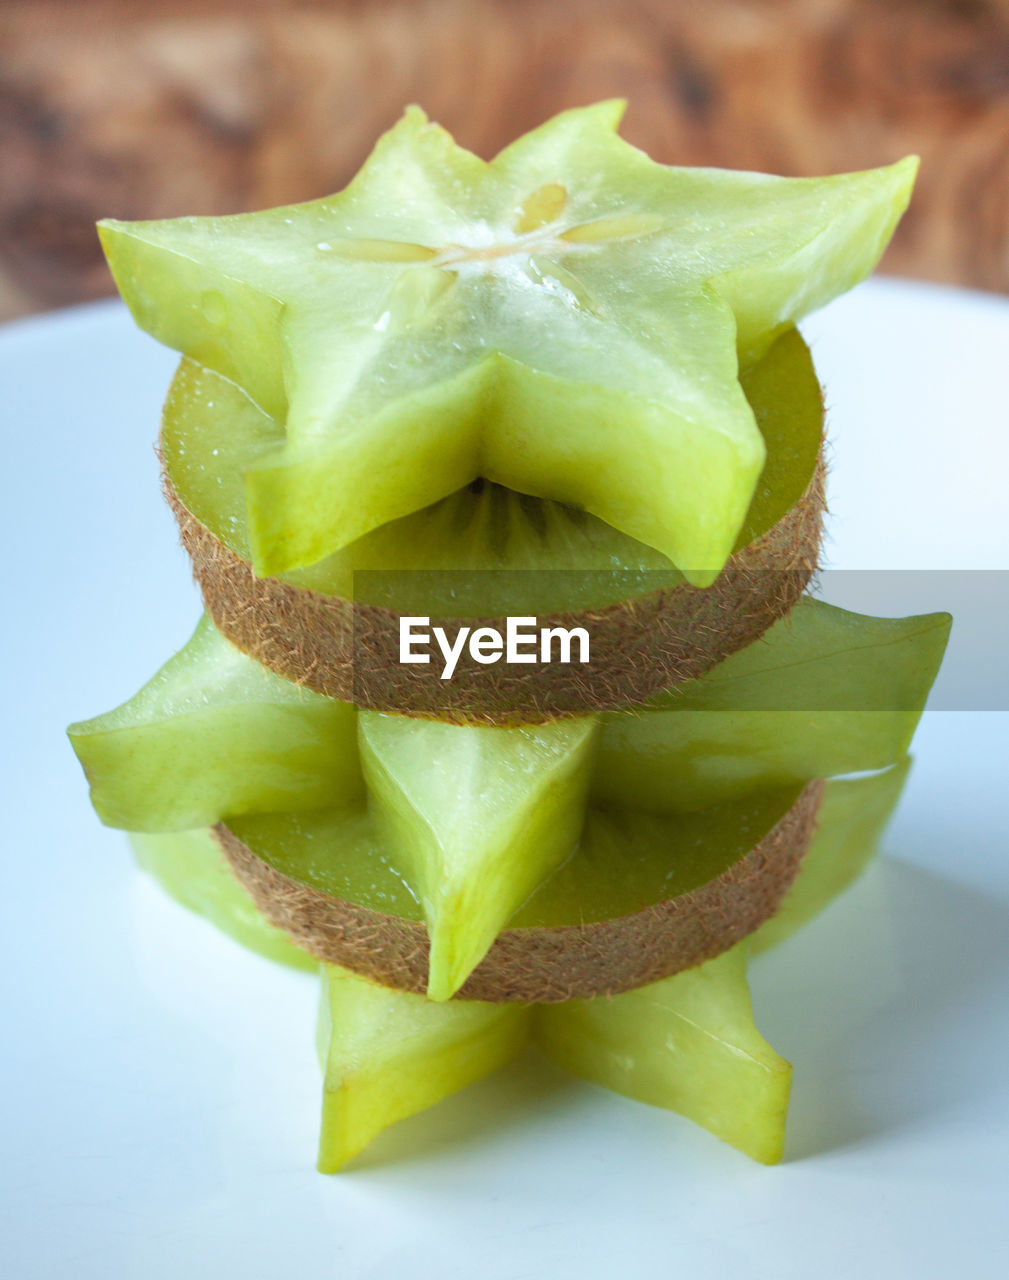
(114, 108)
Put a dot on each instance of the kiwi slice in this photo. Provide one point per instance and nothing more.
(212, 431)
(190, 866)
(642, 898)
(444, 318)
(485, 553)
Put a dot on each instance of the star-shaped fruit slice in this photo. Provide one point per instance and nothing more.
(213, 732)
(567, 320)
(480, 821)
(387, 1055)
(686, 1043)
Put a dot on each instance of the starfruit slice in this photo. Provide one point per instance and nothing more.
(388, 1054)
(688, 1044)
(567, 320)
(825, 692)
(481, 821)
(215, 733)
(190, 867)
(468, 554)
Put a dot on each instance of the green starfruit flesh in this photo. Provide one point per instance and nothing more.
(478, 818)
(388, 1054)
(688, 1044)
(190, 867)
(825, 692)
(215, 733)
(444, 318)
(851, 820)
(484, 550)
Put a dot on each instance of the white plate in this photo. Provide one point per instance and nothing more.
(159, 1082)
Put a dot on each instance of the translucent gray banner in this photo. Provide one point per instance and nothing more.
(974, 675)
(975, 671)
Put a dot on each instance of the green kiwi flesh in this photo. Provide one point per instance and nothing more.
(191, 868)
(643, 897)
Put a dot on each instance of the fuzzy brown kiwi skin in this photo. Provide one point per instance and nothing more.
(638, 646)
(544, 965)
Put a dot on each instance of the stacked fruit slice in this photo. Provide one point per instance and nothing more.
(564, 387)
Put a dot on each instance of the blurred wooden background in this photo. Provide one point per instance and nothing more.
(150, 110)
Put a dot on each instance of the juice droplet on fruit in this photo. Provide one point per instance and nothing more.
(214, 307)
(625, 227)
(546, 204)
(564, 284)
